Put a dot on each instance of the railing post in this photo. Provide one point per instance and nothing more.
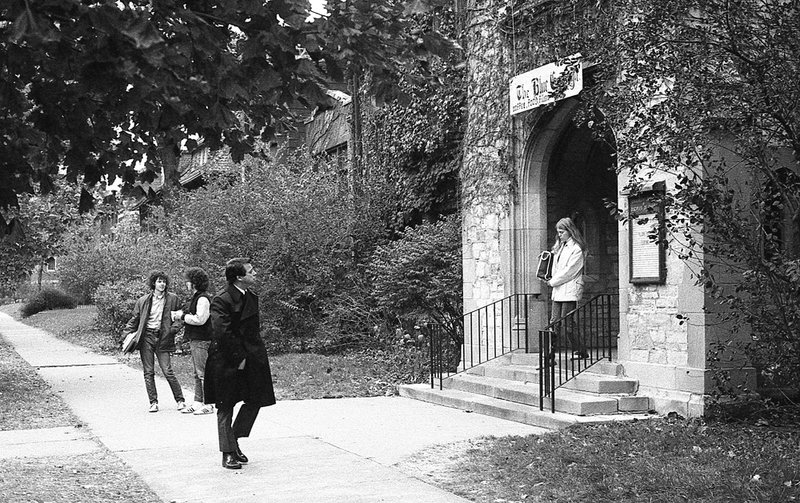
(527, 321)
(609, 310)
(432, 351)
(541, 370)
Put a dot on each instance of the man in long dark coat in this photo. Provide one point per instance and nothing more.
(238, 368)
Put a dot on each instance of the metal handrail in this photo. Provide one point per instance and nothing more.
(487, 333)
(593, 327)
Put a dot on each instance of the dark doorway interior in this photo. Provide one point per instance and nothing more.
(580, 177)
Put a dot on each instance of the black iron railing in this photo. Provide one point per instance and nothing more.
(486, 333)
(572, 344)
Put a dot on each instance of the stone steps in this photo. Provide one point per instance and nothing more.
(512, 411)
(508, 387)
(569, 401)
(489, 406)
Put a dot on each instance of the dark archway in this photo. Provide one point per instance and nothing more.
(581, 178)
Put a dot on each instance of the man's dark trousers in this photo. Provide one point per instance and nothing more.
(231, 430)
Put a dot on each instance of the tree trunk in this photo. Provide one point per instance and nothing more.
(42, 265)
(355, 138)
(168, 157)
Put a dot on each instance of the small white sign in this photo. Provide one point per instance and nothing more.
(537, 87)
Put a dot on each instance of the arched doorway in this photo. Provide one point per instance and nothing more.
(565, 171)
(581, 179)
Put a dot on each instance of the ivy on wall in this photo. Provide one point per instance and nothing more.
(412, 148)
(704, 94)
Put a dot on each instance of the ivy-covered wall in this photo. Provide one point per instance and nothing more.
(485, 182)
(510, 200)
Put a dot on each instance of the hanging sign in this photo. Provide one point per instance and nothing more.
(542, 85)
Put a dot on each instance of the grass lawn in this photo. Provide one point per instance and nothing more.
(660, 460)
(27, 402)
(366, 372)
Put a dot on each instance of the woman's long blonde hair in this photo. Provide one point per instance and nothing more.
(568, 225)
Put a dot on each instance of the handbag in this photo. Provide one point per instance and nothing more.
(544, 270)
(130, 342)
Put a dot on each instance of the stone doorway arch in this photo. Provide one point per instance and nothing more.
(564, 171)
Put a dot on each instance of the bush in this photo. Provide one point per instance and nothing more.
(295, 223)
(419, 275)
(115, 301)
(48, 298)
(92, 258)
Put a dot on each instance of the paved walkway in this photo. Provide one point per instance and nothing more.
(338, 450)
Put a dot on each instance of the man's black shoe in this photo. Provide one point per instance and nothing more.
(240, 457)
(229, 461)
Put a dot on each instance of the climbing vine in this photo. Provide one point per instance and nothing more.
(704, 95)
(412, 148)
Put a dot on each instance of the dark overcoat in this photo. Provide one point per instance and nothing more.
(138, 322)
(237, 337)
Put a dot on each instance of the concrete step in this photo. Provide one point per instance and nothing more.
(587, 381)
(504, 409)
(601, 384)
(568, 401)
(489, 406)
(604, 367)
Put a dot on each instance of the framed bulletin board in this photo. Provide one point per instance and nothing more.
(645, 220)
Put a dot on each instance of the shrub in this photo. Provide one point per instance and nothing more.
(295, 223)
(92, 259)
(48, 298)
(419, 275)
(115, 301)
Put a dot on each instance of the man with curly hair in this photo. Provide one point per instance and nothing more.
(153, 322)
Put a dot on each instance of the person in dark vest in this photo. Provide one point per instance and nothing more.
(156, 328)
(197, 330)
(238, 367)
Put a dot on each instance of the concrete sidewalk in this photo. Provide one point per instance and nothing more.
(339, 450)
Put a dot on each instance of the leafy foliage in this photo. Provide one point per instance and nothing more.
(115, 301)
(295, 221)
(412, 147)
(46, 299)
(419, 275)
(44, 221)
(702, 94)
(92, 85)
(93, 258)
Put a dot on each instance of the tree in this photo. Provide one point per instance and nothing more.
(95, 86)
(705, 91)
(705, 94)
(44, 220)
(419, 275)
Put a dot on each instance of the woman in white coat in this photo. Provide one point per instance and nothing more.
(569, 253)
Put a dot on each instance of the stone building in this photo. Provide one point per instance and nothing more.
(523, 172)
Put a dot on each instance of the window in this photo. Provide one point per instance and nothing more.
(51, 264)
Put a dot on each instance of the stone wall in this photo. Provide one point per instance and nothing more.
(665, 353)
(485, 183)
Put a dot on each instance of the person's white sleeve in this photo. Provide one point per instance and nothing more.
(570, 271)
(203, 311)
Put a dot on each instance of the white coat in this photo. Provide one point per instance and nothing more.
(567, 280)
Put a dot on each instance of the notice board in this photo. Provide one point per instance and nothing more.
(646, 236)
